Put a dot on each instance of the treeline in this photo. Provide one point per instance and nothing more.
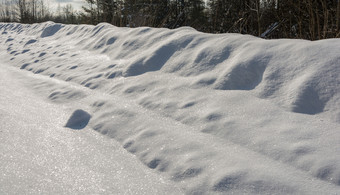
(303, 19)
(35, 11)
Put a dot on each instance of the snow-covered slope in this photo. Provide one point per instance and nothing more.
(222, 113)
(39, 156)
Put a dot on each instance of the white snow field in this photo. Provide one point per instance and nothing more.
(108, 110)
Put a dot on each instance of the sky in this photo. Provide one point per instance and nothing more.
(77, 4)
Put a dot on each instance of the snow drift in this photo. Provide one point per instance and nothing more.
(216, 113)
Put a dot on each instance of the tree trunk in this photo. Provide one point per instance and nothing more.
(257, 2)
(337, 20)
(311, 20)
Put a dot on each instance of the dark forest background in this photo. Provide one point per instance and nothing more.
(302, 19)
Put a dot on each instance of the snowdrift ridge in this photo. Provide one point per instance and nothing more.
(198, 106)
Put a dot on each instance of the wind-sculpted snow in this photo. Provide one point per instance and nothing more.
(216, 113)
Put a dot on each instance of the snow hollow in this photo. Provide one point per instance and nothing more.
(215, 114)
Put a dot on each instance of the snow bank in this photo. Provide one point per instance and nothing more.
(217, 113)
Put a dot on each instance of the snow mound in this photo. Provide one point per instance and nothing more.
(50, 30)
(291, 73)
(78, 120)
(221, 113)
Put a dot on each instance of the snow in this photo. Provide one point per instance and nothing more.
(201, 113)
(40, 156)
(78, 120)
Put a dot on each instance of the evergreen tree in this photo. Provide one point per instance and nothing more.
(195, 15)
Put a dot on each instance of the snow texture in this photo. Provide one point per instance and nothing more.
(216, 114)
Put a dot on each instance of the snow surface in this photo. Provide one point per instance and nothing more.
(211, 114)
(40, 156)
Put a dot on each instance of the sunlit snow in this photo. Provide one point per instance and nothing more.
(108, 110)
